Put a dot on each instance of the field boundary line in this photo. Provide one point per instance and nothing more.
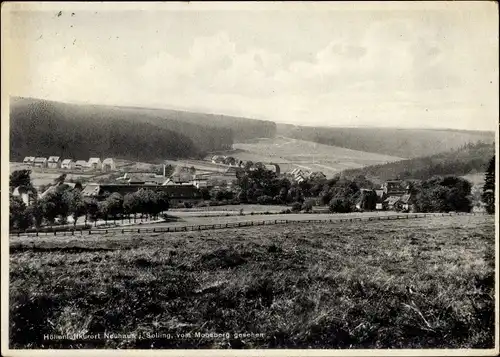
(253, 223)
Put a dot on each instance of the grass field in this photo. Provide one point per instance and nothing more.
(340, 285)
(293, 153)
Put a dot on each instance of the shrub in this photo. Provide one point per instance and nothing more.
(188, 205)
(308, 205)
(296, 206)
(265, 200)
(340, 205)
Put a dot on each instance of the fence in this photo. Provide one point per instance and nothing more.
(204, 227)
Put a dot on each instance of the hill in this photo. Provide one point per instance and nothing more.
(292, 153)
(407, 143)
(467, 160)
(242, 128)
(41, 127)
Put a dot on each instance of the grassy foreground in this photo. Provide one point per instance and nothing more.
(335, 285)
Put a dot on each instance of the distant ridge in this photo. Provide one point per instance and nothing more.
(469, 159)
(42, 127)
(408, 143)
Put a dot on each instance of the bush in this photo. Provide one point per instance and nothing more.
(340, 205)
(265, 200)
(296, 206)
(308, 205)
(188, 205)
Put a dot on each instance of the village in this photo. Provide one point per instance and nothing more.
(186, 183)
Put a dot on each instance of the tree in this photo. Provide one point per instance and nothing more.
(49, 209)
(103, 209)
(20, 178)
(76, 205)
(444, 194)
(341, 205)
(131, 205)
(163, 201)
(205, 193)
(489, 187)
(17, 213)
(249, 165)
(368, 200)
(60, 179)
(91, 210)
(78, 185)
(35, 211)
(115, 205)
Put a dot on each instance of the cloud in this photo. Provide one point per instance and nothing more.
(393, 69)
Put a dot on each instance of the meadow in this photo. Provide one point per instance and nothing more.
(383, 284)
(292, 153)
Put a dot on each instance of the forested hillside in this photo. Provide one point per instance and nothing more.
(241, 128)
(470, 158)
(407, 143)
(41, 127)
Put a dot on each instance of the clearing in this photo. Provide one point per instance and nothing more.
(383, 284)
(292, 153)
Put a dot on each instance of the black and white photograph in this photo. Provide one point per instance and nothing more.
(250, 178)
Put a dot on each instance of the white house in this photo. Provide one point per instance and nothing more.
(53, 162)
(67, 164)
(95, 163)
(29, 160)
(40, 162)
(81, 165)
(108, 164)
(25, 194)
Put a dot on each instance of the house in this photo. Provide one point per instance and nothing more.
(392, 202)
(29, 160)
(67, 164)
(200, 183)
(318, 176)
(180, 178)
(233, 170)
(108, 164)
(218, 159)
(54, 162)
(26, 194)
(299, 175)
(40, 162)
(95, 163)
(394, 187)
(407, 202)
(91, 190)
(81, 165)
(54, 187)
(175, 193)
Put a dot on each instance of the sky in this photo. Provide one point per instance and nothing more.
(420, 65)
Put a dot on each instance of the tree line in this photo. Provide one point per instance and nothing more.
(255, 185)
(64, 201)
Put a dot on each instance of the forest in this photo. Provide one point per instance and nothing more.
(44, 128)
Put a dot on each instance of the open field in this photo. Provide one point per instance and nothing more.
(292, 153)
(335, 285)
(232, 208)
(210, 218)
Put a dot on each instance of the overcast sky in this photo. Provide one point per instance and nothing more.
(430, 65)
